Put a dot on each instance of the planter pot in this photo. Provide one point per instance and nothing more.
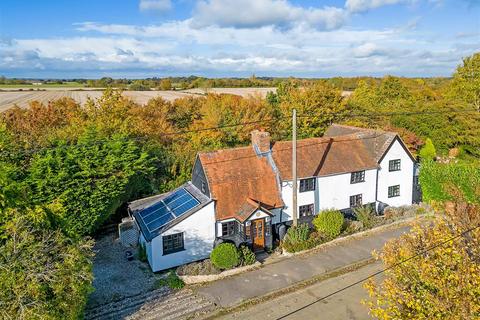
(129, 255)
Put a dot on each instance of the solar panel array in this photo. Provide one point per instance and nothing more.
(164, 211)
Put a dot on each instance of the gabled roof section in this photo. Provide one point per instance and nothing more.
(376, 141)
(236, 175)
(249, 207)
(323, 156)
(154, 215)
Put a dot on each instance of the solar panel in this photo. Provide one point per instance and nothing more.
(161, 221)
(164, 211)
(179, 201)
(190, 204)
(174, 196)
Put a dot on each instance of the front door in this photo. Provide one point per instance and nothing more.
(258, 227)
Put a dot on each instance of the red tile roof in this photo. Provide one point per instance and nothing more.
(323, 156)
(235, 175)
(376, 141)
(238, 174)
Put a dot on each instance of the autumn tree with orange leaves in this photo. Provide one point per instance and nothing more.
(441, 283)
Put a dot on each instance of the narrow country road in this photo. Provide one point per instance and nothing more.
(345, 305)
(276, 276)
(272, 279)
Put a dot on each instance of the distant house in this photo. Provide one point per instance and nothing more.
(244, 195)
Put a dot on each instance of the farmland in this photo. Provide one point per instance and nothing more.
(22, 98)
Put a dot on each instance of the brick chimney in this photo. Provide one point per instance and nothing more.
(261, 141)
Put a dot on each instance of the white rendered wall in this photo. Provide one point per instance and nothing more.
(198, 237)
(335, 191)
(303, 198)
(403, 177)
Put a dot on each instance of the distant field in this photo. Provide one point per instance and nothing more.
(42, 86)
(22, 98)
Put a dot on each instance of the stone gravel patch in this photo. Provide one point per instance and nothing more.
(115, 278)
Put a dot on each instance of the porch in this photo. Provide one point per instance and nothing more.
(254, 233)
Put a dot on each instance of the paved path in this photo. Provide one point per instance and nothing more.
(284, 273)
(345, 305)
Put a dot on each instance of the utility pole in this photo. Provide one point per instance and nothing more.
(294, 167)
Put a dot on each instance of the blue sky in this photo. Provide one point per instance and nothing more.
(311, 38)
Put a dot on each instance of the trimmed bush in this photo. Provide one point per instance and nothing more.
(366, 215)
(225, 256)
(247, 257)
(329, 223)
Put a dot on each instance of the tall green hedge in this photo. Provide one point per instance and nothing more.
(448, 182)
(91, 179)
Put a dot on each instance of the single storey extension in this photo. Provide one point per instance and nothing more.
(244, 195)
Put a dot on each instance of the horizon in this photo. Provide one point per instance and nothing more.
(138, 39)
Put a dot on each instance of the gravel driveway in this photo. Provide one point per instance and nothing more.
(115, 278)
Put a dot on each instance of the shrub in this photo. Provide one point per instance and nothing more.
(142, 253)
(296, 238)
(299, 233)
(172, 281)
(352, 226)
(247, 257)
(225, 256)
(428, 151)
(329, 223)
(366, 215)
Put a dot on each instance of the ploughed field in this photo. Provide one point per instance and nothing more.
(22, 98)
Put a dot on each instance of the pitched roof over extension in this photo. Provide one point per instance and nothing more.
(236, 175)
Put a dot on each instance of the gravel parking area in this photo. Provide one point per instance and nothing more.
(115, 277)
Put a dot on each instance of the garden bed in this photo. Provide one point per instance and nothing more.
(394, 216)
(192, 279)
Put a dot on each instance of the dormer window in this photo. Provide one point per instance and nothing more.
(307, 184)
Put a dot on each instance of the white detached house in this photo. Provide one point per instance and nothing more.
(244, 195)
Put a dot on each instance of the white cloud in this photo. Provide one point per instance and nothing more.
(259, 13)
(155, 5)
(365, 5)
(268, 37)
